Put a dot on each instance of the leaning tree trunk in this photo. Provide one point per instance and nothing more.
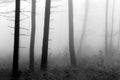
(32, 41)
(106, 29)
(46, 36)
(84, 29)
(71, 33)
(15, 67)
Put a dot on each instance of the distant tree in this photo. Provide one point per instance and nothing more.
(45, 36)
(32, 39)
(106, 29)
(15, 67)
(119, 34)
(111, 39)
(84, 28)
(71, 33)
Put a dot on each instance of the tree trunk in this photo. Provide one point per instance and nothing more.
(106, 29)
(32, 41)
(15, 67)
(46, 36)
(84, 29)
(71, 33)
(119, 34)
(111, 40)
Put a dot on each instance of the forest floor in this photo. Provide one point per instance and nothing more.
(94, 68)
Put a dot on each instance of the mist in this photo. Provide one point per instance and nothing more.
(89, 31)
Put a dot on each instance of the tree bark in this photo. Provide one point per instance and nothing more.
(71, 33)
(32, 40)
(46, 36)
(15, 67)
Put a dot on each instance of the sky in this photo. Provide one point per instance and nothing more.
(59, 22)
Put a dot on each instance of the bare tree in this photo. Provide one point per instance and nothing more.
(106, 28)
(119, 34)
(111, 39)
(84, 28)
(16, 41)
(71, 33)
(46, 36)
(32, 41)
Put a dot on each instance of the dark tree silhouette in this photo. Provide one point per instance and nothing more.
(71, 33)
(32, 41)
(16, 41)
(45, 36)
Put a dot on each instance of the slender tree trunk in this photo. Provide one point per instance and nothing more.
(32, 41)
(46, 36)
(106, 29)
(111, 41)
(119, 34)
(71, 33)
(15, 67)
(84, 28)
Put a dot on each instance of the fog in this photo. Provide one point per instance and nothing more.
(94, 38)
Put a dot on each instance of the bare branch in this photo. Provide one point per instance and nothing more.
(8, 12)
(21, 34)
(7, 16)
(56, 6)
(20, 28)
(10, 19)
(24, 35)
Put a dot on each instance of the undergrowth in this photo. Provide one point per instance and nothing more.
(89, 68)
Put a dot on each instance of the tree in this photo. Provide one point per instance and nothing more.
(84, 28)
(119, 34)
(15, 67)
(71, 33)
(32, 39)
(106, 28)
(111, 39)
(45, 36)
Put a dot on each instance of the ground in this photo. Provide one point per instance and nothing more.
(94, 68)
